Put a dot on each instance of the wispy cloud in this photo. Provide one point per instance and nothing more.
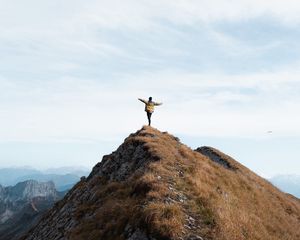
(207, 104)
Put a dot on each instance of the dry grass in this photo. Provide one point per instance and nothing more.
(166, 220)
(233, 204)
(226, 205)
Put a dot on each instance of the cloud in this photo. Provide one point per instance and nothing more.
(144, 13)
(76, 17)
(106, 38)
(71, 69)
(194, 104)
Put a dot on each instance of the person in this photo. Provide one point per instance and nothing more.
(149, 108)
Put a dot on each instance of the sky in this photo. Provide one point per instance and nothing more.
(227, 72)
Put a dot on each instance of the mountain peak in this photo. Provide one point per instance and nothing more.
(30, 189)
(138, 150)
(155, 187)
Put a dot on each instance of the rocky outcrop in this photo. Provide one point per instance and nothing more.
(131, 156)
(215, 156)
(27, 190)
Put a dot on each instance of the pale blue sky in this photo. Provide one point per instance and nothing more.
(227, 72)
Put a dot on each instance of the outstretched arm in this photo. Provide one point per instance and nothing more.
(157, 104)
(142, 100)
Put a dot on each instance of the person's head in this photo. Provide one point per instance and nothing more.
(150, 99)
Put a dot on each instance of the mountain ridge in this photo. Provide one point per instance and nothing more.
(155, 187)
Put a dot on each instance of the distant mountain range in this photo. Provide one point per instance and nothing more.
(287, 183)
(22, 205)
(27, 193)
(63, 178)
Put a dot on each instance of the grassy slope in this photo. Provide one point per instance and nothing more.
(184, 193)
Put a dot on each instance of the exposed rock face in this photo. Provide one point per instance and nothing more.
(153, 187)
(131, 156)
(28, 190)
(216, 156)
(21, 205)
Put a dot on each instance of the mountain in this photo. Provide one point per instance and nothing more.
(22, 205)
(287, 183)
(155, 188)
(64, 178)
(60, 181)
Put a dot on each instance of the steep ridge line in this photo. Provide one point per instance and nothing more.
(154, 187)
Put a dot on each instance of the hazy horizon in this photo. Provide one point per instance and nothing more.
(242, 152)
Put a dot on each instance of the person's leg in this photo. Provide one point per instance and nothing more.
(149, 118)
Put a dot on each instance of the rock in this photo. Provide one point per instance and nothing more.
(83, 178)
(194, 237)
(138, 235)
(213, 155)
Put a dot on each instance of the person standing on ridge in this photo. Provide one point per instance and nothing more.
(149, 108)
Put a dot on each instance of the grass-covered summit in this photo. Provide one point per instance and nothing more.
(155, 187)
